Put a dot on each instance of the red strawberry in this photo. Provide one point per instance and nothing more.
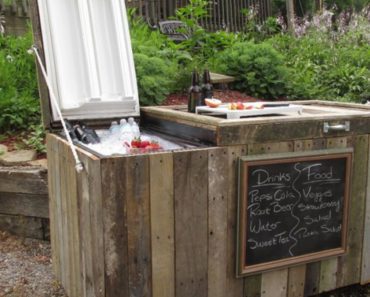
(144, 144)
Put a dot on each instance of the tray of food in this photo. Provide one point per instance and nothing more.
(237, 110)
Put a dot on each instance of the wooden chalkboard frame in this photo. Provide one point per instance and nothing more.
(281, 158)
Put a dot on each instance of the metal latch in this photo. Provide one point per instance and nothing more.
(338, 127)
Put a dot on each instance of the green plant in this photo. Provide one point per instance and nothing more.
(201, 44)
(19, 102)
(154, 78)
(35, 138)
(327, 64)
(18, 113)
(258, 68)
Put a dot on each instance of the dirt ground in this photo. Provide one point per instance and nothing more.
(25, 268)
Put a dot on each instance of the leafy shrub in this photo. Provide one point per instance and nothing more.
(154, 79)
(18, 113)
(258, 68)
(19, 103)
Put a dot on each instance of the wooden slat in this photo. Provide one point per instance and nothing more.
(69, 192)
(365, 263)
(190, 181)
(329, 268)
(85, 232)
(65, 261)
(95, 203)
(277, 278)
(274, 283)
(113, 172)
(162, 225)
(310, 271)
(218, 184)
(312, 280)
(296, 281)
(235, 286)
(252, 286)
(74, 222)
(138, 226)
(349, 265)
(52, 153)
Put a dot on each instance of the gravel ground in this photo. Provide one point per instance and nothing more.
(25, 268)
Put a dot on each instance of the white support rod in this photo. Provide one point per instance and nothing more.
(79, 166)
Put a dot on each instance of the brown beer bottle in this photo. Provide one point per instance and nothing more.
(207, 88)
(195, 93)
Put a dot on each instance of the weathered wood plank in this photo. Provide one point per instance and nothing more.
(311, 271)
(218, 183)
(252, 286)
(53, 164)
(365, 263)
(312, 280)
(68, 226)
(235, 286)
(162, 225)
(23, 180)
(190, 182)
(63, 212)
(282, 280)
(138, 226)
(296, 281)
(349, 265)
(23, 226)
(30, 205)
(329, 268)
(74, 226)
(97, 230)
(328, 275)
(274, 283)
(114, 174)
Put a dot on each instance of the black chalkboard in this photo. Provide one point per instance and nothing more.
(292, 208)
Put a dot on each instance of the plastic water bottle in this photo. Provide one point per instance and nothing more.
(114, 128)
(134, 127)
(126, 133)
(122, 123)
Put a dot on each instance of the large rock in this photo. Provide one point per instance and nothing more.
(3, 149)
(16, 158)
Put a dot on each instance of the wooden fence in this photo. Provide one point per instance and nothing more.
(223, 14)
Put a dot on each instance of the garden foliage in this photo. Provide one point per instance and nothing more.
(258, 68)
(326, 57)
(19, 103)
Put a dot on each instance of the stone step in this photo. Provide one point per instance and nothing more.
(3, 149)
(17, 158)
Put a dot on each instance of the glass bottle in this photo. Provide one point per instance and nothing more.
(195, 94)
(207, 88)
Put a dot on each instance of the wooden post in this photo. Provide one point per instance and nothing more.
(290, 14)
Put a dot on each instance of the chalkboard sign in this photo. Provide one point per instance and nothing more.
(292, 208)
